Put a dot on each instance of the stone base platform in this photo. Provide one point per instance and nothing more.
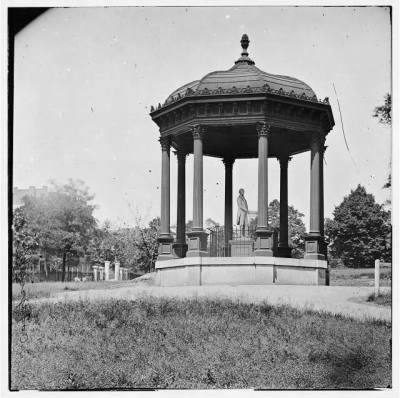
(197, 271)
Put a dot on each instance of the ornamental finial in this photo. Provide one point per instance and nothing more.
(245, 43)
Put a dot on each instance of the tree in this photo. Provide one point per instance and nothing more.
(146, 243)
(189, 226)
(210, 223)
(63, 221)
(25, 246)
(384, 115)
(384, 112)
(360, 231)
(296, 227)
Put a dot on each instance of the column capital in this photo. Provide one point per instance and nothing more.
(165, 143)
(198, 131)
(180, 154)
(228, 162)
(263, 129)
(317, 138)
(284, 160)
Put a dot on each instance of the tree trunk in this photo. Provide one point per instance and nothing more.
(68, 269)
(63, 267)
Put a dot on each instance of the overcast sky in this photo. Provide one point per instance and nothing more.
(85, 79)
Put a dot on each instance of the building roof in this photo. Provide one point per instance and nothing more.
(244, 76)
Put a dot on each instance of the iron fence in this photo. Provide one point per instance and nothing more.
(233, 241)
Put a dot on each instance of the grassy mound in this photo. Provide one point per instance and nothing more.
(196, 343)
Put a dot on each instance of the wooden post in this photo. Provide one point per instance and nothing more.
(377, 274)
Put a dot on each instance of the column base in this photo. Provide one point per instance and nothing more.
(316, 247)
(264, 243)
(180, 249)
(242, 248)
(165, 250)
(284, 251)
(197, 244)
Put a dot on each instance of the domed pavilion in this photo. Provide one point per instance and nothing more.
(241, 113)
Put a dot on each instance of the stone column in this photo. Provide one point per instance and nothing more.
(180, 247)
(107, 270)
(264, 242)
(283, 247)
(198, 135)
(116, 271)
(315, 243)
(197, 237)
(228, 162)
(165, 239)
(321, 192)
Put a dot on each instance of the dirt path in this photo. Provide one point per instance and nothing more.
(347, 300)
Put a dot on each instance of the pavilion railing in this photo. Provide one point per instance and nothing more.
(219, 239)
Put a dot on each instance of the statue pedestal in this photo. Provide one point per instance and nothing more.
(242, 248)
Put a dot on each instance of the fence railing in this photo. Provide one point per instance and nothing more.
(221, 239)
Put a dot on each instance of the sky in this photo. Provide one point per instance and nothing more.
(85, 79)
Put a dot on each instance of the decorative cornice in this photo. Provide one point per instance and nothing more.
(198, 132)
(244, 90)
(263, 129)
(165, 143)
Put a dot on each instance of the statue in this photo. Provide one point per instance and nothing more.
(242, 212)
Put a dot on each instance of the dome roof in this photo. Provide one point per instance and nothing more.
(244, 77)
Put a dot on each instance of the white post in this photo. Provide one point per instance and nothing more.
(95, 272)
(107, 270)
(377, 274)
(116, 273)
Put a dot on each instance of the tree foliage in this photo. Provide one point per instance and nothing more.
(146, 243)
(25, 246)
(360, 231)
(296, 227)
(384, 115)
(384, 112)
(63, 221)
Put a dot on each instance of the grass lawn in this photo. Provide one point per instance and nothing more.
(196, 343)
(48, 289)
(382, 299)
(359, 276)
